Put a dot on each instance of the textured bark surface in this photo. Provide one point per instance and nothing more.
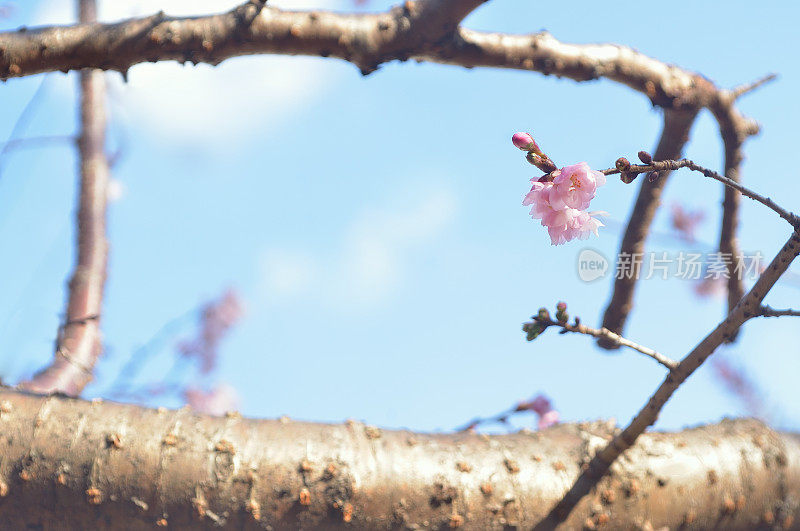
(92, 465)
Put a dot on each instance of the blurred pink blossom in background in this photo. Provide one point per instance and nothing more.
(543, 408)
(216, 319)
(685, 222)
(218, 401)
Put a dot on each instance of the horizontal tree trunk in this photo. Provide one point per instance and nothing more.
(68, 463)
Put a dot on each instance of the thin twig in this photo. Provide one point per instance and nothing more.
(741, 90)
(663, 165)
(767, 311)
(608, 336)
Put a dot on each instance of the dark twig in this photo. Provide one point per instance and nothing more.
(668, 165)
(734, 130)
(767, 311)
(78, 346)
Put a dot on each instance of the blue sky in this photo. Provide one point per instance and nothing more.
(373, 226)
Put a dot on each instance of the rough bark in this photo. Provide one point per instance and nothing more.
(92, 465)
(78, 345)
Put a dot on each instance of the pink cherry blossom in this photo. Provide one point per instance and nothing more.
(575, 186)
(561, 203)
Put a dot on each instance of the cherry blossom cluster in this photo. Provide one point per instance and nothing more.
(560, 198)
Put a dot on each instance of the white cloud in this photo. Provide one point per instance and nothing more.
(286, 273)
(203, 104)
(380, 241)
(375, 251)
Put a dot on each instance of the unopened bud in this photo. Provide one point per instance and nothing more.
(623, 164)
(645, 157)
(544, 314)
(561, 312)
(652, 176)
(525, 142)
(627, 177)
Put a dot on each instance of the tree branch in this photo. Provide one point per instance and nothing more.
(78, 345)
(674, 136)
(606, 335)
(740, 91)
(671, 165)
(92, 465)
(366, 40)
(767, 311)
(734, 130)
(748, 307)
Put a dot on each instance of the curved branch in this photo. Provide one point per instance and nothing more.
(424, 30)
(734, 130)
(93, 465)
(367, 40)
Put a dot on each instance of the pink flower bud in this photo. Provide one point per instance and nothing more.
(561, 306)
(525, 142)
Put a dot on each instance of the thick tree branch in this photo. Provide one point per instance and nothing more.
(748, 307)
(78, 345)
(367, 40)
(102, 466)
(674, 136)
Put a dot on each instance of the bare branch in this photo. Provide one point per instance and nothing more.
(671, 165)
(767, 311)
(423, 30)
(750, 87)
(367, 40)
(748, 307)
(78, 346)
(674, 136)
(609, 336)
